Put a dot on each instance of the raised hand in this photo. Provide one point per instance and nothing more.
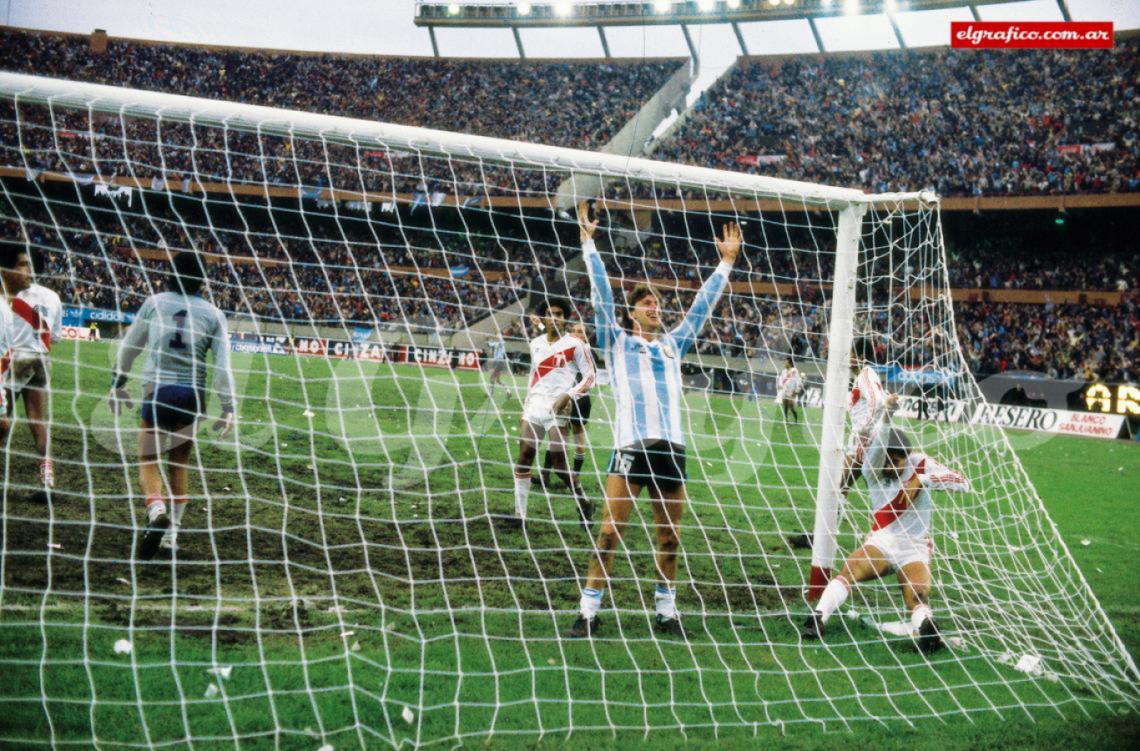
(586, 228)
(729, 242)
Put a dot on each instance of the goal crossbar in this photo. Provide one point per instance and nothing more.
(357, 132)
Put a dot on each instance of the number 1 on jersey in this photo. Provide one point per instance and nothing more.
(179, 321)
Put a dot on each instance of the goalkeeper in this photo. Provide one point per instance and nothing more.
(645, 363)
(899, 481)
(176, 329)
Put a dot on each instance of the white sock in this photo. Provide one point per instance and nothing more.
(666, 600)
(522, 490)
(47, 473)
(920, 614)
(155, 507)
(832, 597)
(590, 603)
(179, 510)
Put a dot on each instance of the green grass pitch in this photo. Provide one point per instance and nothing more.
(367, 486)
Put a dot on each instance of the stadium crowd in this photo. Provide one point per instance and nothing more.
(527, 101)
(960, 122)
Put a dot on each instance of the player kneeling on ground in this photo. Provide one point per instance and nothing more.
(176, 329)
(899, 481)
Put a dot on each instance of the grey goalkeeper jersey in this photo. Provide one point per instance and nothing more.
(177, 331)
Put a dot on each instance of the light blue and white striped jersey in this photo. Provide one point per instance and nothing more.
(177, 331)
(646, 376)
(497, 349)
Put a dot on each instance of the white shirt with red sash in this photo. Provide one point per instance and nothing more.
(892, 511)
(554, 367)
(37, 318)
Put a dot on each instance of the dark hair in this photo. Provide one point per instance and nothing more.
(864, 349)
(189, 274)
(897, 441)
(9, 252)
(897, 444)
(789, 360)
(546, 302)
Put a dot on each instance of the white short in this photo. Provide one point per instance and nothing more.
(27, 372)
(900, 549)
(538, 411)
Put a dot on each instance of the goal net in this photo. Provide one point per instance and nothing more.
(339, 577)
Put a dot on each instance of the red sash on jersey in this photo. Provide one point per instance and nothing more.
(21, 308)
(888, 513)
(556, 360)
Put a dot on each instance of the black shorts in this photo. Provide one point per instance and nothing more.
(172, 407)
(580, 410)
(660, 464)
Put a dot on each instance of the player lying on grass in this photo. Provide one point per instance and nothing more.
(578, 416)
(899, 480)
(645, 375)
(789, 386)
(36, 317)
(556, 359)
(175, 329)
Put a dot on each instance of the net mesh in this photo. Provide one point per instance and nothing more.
(339, 575)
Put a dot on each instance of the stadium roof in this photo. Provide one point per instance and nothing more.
(387, 27)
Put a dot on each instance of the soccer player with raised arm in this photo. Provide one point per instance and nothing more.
(175, 329)
(899, 481)
(788, 386)
(645, 375)
(36, 320)
(556, 359)
(866, 403)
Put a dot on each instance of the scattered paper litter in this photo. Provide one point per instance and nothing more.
(326, 747)
(408, 715)
(222, 671)
(309, 413)
(1086, 542)
(336, 609)
(1029, 664)
(225, 488)
(1006, 658)
(551, 661)
(852, 614)
(356, 646)
(123, 647)
(121, 580)
(55, 546)
(211, 691)
(346, 634)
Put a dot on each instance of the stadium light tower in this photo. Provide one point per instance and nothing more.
(601, 13)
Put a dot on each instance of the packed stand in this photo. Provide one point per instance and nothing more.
(963, 123)
(525, 101)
